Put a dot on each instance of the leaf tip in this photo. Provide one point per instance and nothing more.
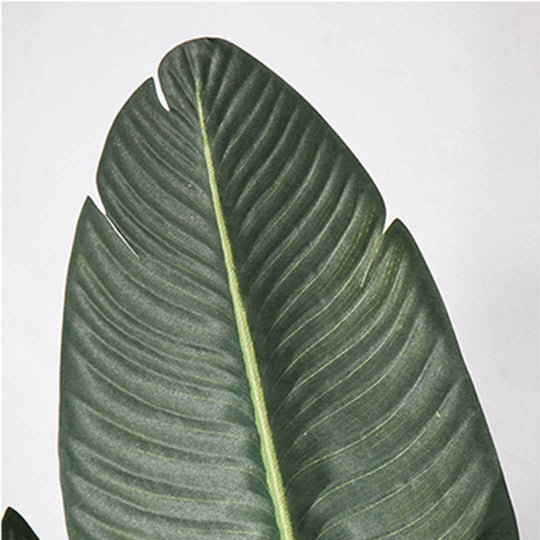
(14, 526)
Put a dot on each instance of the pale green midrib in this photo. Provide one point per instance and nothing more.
(273, 473)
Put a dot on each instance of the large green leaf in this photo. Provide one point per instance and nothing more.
(248, 354)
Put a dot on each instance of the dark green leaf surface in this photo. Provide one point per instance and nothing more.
(14, 527)
(248, 355)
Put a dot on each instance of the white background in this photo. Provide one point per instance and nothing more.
(439, 101)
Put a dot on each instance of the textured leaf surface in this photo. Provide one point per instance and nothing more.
(14, 527)
(249, 354)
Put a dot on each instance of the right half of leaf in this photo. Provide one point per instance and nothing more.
(377, 427)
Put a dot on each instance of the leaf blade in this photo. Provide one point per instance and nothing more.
(349, 331)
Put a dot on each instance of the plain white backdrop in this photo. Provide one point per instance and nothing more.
(441, 104)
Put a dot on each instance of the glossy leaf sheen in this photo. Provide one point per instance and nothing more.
(249, 355)
(14, 527)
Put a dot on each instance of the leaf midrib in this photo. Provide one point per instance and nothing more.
(270, 461)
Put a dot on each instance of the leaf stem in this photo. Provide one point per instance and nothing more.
(273, 473)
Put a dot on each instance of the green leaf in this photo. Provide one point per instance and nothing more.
(14, 527)
(246, 353)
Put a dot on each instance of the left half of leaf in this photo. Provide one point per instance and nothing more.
(162, 441)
